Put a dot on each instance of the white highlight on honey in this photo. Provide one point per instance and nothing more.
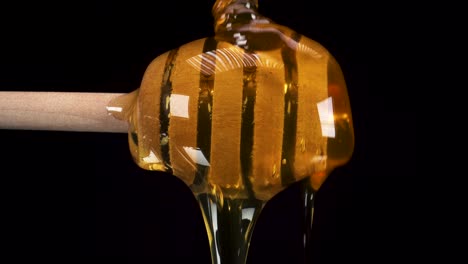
(196, 156)
(151, 158)
(179, 105)
(327, 120)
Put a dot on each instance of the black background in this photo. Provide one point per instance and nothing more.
(81, 196)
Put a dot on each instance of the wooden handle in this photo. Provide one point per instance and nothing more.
(61, 111)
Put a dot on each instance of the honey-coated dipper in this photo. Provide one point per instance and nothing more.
(238, 117)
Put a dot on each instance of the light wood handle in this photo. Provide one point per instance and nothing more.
(61, 111)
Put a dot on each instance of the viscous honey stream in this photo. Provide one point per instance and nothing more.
(239, 117)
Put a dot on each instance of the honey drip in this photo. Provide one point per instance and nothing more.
(239, 117)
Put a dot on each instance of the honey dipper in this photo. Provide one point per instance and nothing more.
(238, 117)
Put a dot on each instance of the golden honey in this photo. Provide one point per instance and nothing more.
(243, 121)
(240, 116)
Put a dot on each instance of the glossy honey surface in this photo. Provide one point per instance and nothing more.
(250, 110)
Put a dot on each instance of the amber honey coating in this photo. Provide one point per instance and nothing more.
(310, 155)
(250, 111)
(238, 117)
